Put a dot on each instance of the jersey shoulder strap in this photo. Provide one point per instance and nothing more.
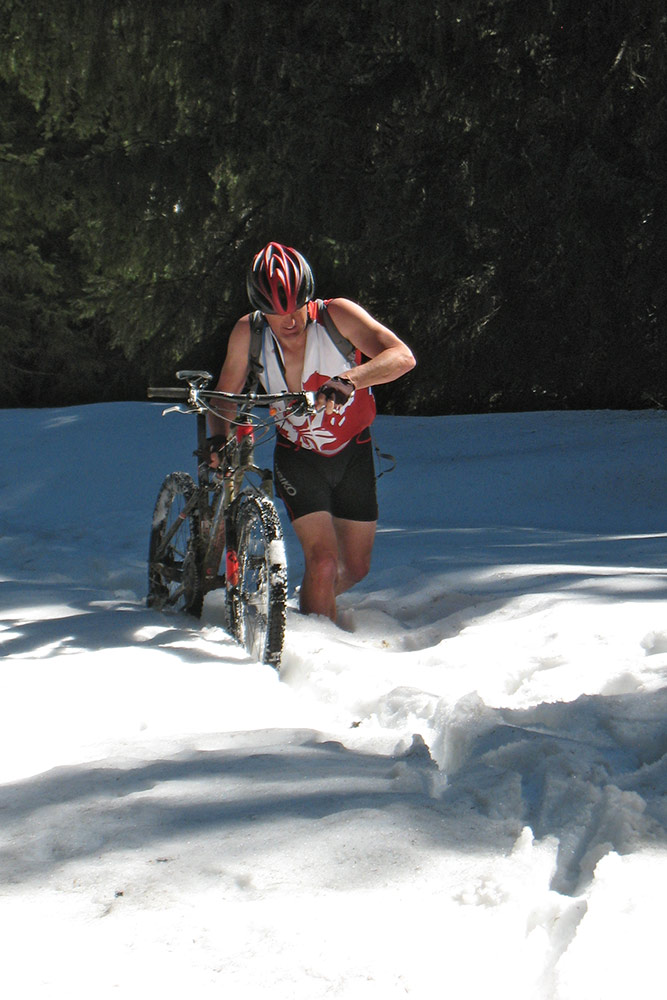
(255, 366)
(341, 343)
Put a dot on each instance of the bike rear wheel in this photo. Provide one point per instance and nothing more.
(174, 576)
(258, 605)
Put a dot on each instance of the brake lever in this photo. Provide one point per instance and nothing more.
(303, 407)
(176, 409)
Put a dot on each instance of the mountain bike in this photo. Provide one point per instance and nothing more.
(225, 515)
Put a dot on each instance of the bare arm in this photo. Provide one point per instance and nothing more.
(389, 356)
(232, 376)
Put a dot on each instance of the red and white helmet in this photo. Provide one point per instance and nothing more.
(279, 280)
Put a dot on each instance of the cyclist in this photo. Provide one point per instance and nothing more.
(323, 464)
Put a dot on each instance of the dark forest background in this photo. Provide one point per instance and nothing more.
(488, 177)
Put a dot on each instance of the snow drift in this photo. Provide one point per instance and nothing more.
(458, 788)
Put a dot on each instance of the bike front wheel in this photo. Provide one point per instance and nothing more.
(174, 575)
(258, 604)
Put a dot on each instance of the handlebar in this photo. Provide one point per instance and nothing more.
(168, 393)
(199, 399)
(253, 398)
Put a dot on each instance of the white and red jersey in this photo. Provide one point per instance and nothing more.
(327, 434)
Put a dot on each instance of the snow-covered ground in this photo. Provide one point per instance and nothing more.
(457, 791)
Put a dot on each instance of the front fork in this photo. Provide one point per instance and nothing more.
(217, 527)
(245, 443)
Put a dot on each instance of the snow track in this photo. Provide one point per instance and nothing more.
(459, 789)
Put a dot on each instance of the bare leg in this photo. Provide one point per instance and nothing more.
(337, 555)
(355, 545)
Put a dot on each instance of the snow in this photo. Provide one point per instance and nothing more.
(459, 789)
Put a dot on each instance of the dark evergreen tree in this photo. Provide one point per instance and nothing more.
(484, 175)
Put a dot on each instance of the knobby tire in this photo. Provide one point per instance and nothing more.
(259, 603)
(174, 577)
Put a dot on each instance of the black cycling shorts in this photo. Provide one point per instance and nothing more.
(342, 484)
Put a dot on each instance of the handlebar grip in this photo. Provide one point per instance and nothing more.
(171, 392)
